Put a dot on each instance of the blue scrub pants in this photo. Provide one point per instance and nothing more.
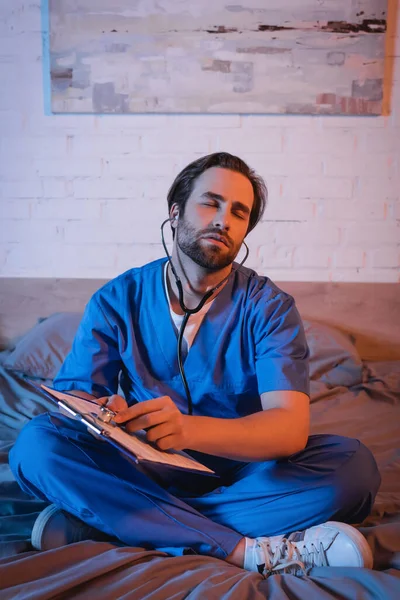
(57, 460)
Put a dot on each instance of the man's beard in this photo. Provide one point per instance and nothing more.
(210, 257)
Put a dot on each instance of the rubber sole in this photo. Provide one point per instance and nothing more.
(40, 524)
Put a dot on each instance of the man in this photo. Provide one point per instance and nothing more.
(245, 359)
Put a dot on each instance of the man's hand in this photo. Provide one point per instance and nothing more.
(166, 426)
(115, 403)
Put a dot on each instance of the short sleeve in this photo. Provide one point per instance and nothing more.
(94, 363)
(282, 354)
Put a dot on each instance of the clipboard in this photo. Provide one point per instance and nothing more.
(132, 445)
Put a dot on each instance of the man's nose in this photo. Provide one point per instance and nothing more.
(222, 220)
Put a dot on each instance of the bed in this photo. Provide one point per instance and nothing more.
(353, 331)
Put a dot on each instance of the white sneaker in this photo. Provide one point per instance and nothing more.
(330, 544)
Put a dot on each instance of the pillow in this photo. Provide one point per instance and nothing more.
(40, 353)
(334, 359)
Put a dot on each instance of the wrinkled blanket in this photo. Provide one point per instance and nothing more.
(369, 411)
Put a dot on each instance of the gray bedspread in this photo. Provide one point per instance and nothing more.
(369, 411)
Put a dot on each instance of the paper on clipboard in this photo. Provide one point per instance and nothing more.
(89, 413)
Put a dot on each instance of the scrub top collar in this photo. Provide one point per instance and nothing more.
(201, 356)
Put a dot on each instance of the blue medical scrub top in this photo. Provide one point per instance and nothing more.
(250, 341)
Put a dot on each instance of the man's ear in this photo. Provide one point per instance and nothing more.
(174, 215)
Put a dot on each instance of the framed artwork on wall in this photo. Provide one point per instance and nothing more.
(189, 56)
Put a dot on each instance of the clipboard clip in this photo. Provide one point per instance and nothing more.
(92, 422)
(106, 415)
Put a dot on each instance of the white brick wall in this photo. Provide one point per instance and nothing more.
(83, 196)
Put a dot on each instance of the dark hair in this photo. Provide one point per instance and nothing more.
(182, 187)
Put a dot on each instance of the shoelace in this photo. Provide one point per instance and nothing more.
(288, 556)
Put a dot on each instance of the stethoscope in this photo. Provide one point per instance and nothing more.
(189, 311)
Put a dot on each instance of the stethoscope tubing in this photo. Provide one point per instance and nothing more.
(189, 311)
